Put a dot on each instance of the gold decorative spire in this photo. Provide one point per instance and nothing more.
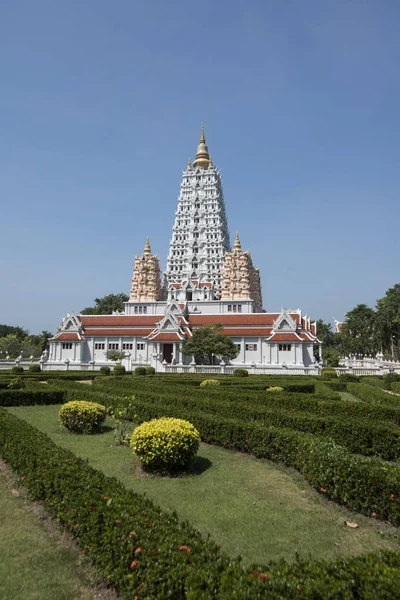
(202, 159)
(236, 245)
(189, 165)
(147, 249)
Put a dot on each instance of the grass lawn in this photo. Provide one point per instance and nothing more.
(347, 397)
(252, 507)
(35, 563)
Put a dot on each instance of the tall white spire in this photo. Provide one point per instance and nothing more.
(200, 234)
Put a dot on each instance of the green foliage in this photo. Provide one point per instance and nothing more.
(208, 343)
(240, 373)
(150, 370)
(80, 416)
(123, 415)
(30, 398)
(17, 370)
(329, 374)
(348, 378)
(131, 541)
(390, 378)
(165, 444)
(115, 355)
(119, 370)
(34, 368)
(105, 370)
(107, 305)
(16, 384)
(275, 388)
(332, 357)
(140, 371)
(209, 382)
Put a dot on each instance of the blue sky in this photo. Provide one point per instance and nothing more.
(101, 103)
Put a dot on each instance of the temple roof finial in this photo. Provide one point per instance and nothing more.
(236, 245)
(202, 159)
(202, 138)
(147, 249)
(189, 165)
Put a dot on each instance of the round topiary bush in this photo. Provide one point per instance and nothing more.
(17, 369)
(80, 416)
(150, 370)
(119, 370)
(209, 382)
(275, 388)
(105, 370)
(140, 371)
(165, 444)
(34, 368)
(240, 373)
(329, 374)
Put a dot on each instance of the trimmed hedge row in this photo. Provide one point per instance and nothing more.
(29, 398)
(360, 437)
(146, 553)
(365, 484)
(369, 393)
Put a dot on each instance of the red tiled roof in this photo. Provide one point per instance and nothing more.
(239, 319)
(118, 320)
(247, 331)
(173, 336)
(207, 284)
(113, 331)
(72, 337)
(285, 337)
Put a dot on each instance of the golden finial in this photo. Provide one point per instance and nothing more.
(202, 159)
(147, 249)
(189, 165)
(202, 138)
(236, 245)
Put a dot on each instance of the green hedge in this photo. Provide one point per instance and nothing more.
(147, 553)
(359, 436)
(362, 483)
(369, 393)
(29, 398)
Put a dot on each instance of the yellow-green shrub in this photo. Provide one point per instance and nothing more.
(275, 388)
(80, 416)
(165, 444)
(207, 382)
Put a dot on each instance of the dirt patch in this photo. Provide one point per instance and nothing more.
(86, 381)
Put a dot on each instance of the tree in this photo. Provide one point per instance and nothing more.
(19, 332)
(10, 345)
(387, 329)
(208, 343)
(324, 333)
(107, 305)
(358, 331)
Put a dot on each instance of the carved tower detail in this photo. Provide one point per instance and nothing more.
(241, 281)
(200, 236)
(146, 285)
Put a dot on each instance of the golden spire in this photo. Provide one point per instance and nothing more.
(147, 249)
(189, 165)
(202, 159)
(236, 245)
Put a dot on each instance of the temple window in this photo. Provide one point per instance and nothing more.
(140, 346)
(251, 347)
(99, 346)
(285, 347)
(67, 345)
(113, 346)
(127, 346)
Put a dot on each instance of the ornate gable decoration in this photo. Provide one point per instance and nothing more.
(70, 323)
(284, 322)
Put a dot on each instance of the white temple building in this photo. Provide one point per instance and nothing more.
(206, 281)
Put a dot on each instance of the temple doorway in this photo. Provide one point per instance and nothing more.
(168, 352)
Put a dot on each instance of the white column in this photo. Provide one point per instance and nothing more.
(243, 357)
(260, 350)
